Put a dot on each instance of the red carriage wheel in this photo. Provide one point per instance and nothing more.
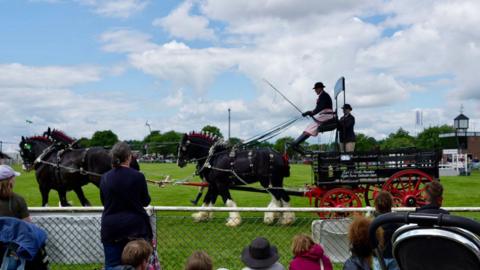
(338, 197)
(408, 187)
(370, 193)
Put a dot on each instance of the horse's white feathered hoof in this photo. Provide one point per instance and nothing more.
(69, 204)
(200, 216)
(269, 218)
(287, 218)
(233, 222)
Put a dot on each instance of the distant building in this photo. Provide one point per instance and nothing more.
(466, 142)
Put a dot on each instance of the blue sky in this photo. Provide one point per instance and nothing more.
(87, 65)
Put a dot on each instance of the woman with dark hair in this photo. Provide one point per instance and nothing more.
(124, 194)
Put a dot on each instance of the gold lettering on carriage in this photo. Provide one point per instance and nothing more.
(348, 174)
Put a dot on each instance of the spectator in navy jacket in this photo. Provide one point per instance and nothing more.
(124, 194)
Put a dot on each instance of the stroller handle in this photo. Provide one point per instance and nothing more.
(422, 219)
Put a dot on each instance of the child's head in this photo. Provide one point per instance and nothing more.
(434, 192)
(199, 260)
(301, 243)
(358, 237)
(383, 202)
(136, 253)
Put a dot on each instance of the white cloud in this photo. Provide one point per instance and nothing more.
(434, 52)
(181, 24)
(77, 114)
(126, 40)
(115, 8)
(173, 100)
(18, 75)
(43, 95)
(439, 38)
(185, 66)
(247, 10)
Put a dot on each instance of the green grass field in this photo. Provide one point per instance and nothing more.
(178, 235)
(459, 191)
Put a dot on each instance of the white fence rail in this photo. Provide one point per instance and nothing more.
(74, 233)
(35, 210)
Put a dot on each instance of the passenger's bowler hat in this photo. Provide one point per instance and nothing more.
(259, 254)
(347, 106)
(318, 85)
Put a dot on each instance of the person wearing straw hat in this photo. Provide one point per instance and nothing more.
(260, 255)
(11, 204)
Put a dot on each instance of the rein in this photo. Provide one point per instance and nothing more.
(47, 150)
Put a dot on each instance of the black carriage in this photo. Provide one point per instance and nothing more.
(347, 179)
(344, 179)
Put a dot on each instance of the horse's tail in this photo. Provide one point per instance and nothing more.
(286, 163)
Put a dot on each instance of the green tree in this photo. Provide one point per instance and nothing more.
(399, 139)
(103, 138)
(429, 137)
(365, 143)
(212, 130)
(164, 144)
(234, 140)
(135, 145)
(83, 142)
(264, 145)
(281, 144)
(169, 142)
(151, 142)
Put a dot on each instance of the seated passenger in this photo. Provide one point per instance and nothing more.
(434, 194)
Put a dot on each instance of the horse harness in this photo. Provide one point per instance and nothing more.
(232, 157)
(58, 160)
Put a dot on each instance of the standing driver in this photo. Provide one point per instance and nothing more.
(324, 111)
(345, 130)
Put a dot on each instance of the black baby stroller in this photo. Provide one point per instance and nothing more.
(431, 241)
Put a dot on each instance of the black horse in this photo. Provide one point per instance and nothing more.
(66, 142)
(222, 166)
(63, 169)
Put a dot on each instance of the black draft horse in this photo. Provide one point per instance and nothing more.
(222, 166)
(66, 142)
(62, 168)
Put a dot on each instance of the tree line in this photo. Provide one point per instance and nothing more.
(166, 143)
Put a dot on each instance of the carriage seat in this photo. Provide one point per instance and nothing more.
(432, 241)
(329, 125)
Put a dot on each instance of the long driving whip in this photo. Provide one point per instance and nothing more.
(278, 91)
